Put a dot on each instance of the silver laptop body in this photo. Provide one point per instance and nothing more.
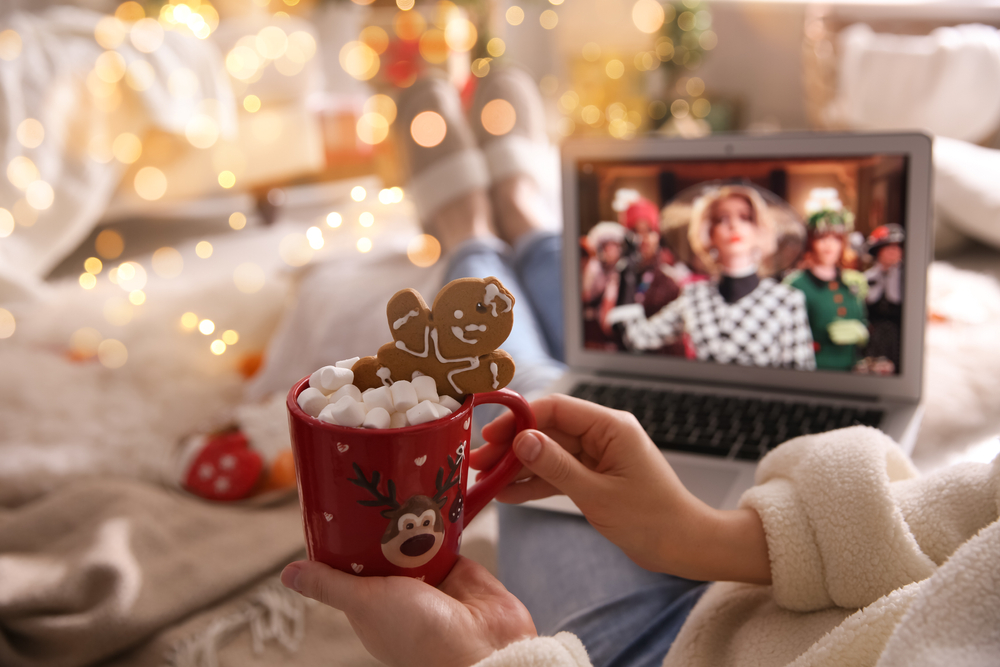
(720, 481)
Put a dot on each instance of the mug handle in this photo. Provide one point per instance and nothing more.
(503, 472)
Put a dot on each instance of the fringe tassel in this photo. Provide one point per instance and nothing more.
(272, 613)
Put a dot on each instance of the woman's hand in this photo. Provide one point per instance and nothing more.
(402, 621)
(604, 461)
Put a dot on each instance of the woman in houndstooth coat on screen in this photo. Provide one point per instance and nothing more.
(737, 317)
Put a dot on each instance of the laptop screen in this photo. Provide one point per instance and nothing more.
(792, 263)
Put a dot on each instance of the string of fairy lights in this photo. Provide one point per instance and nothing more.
(437, 30)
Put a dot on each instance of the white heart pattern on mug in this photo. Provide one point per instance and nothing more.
(421, 577)
(328, 516)
(420, 460)
(357, 567)
(467, 422)
(341, 447)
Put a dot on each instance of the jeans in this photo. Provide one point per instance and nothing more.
(567, 574)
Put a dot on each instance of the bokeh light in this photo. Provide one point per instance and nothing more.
(498, 117)
(615, 68)
(30, 133)
(409, 25)
(294, 250)
(251, 103)
(230, 337)
(237, 221)
(6, 223)
(39, 195)
(129, 12)
(249, 278)
(242, 62)
(109, 244)
(424, 250)
(272, 42)
(695, 87)
(433, 47)
(701, 108)
(227, 179)
(7, 323)
(591, 52)
(359, 60)
(110, 67)
(84, 341)
(481, 67)
(112, 353)
(679, 108)
(202, 131)
(137, 297)
(568, 101)
(118, 311)
(382, 105)
(372, 128)
(460, 35)
(266, 127)
(217, 347)
(334, 220)
(315, 237)
(364, 244)
(366, 219)
(206, 326)
(548, 19)
(146, 35)
(496, 47)
(93, 265)
(168, 262)
(127, 148)
(10, 45)
(150, 183)
(140, 75)
(358, 193)
(648, 16)
(88, 280)
(708, 40)
(686, 21)
(131, 276)
(22, 172)
(591, 114)
(375, 38)
(23, 213)
(189, 321)
(110, 32)
(514, 15)
(428, 129)
(203, 249)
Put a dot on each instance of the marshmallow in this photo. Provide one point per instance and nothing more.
(312, 401)
(404, 396)
(346, 390)
(346, 412)
(330, 378)
(422, 413)
(380, 397)
(450, 403)
(377, 418)
(347, 363)
(398, 420)
(426, 388)
(440, 410)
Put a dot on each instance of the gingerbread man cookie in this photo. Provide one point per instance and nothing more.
(455, 341)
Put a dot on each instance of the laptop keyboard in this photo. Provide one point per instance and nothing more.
(723, 426)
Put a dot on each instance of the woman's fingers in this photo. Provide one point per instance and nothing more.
(549, 461)
(322, 583)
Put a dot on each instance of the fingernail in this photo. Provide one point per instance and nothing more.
(290, 577)
(528, 447)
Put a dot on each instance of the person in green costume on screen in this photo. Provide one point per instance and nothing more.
(835, 294)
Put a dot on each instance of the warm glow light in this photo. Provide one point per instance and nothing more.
(112, 353)
(549, 19)
(126, 148)
(93, 265)
(147, 35)
(110, 32)
(515, 15)
(230, 337)
(237, 220)
(364, 244)
(496, 47)
(110, 67)
(428, 129)
(109, 244)
(131, 276)
(302, 47)
(397, 193)
(150, 183)
(591, 52)
(366, 219)
(7, 324)
(251, 103)
(10, 45)
(409, 25)
(183, 83)
(206, 327)
(424, 250)
(189, 321)
(249, 278)
(460, 35)
(648, 16)
(272, 42)
(385, 196)
(615, 69)
(266, 127)
(665, 49)
(227, 179)
(23, 213)
(375, 37)
(22, 172)
(88, 280)
(202, 131)
(130, 11)
(84, 342)
(433, 47)
(685, 21)
(405, 5)
(679, 108)
(39, 195)
(708, 40)
(6, 223)
(30, 133)
(498, 117)
(372, 128)
(359, 60)
(315, 237)
(591, 114)
(242, 62)
(168, 262)
(695, 86)
(139, 75)
(481, 67)
(113, 276)
(294, 250)
(137, 297)
(358, 193)
(217, 347)
(382, 105)
(334, 220)
(568, 101)
(566, 126)
(118, 311)
(203, 249)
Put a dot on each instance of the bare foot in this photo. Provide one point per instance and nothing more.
(516, 204)
(466, 217)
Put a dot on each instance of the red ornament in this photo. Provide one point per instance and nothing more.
(225, 468)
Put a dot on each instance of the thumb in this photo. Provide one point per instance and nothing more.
(321, 583)
(546, 459)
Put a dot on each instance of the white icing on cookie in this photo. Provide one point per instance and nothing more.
(459, 314)
(492, 293)
(472, 361)
(386, 375)
(494, 370)
(459, 334)
(476, 327)
(401, 321)
(423, 355)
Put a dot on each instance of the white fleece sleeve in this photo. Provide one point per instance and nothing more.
(563, 650)
(835, 533)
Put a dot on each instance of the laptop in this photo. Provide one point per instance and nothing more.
(722, 362)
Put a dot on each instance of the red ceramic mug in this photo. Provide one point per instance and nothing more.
(384, 502)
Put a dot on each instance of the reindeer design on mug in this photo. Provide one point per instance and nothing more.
(416, 527)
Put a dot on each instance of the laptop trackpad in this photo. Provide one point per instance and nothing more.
(712, 484)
